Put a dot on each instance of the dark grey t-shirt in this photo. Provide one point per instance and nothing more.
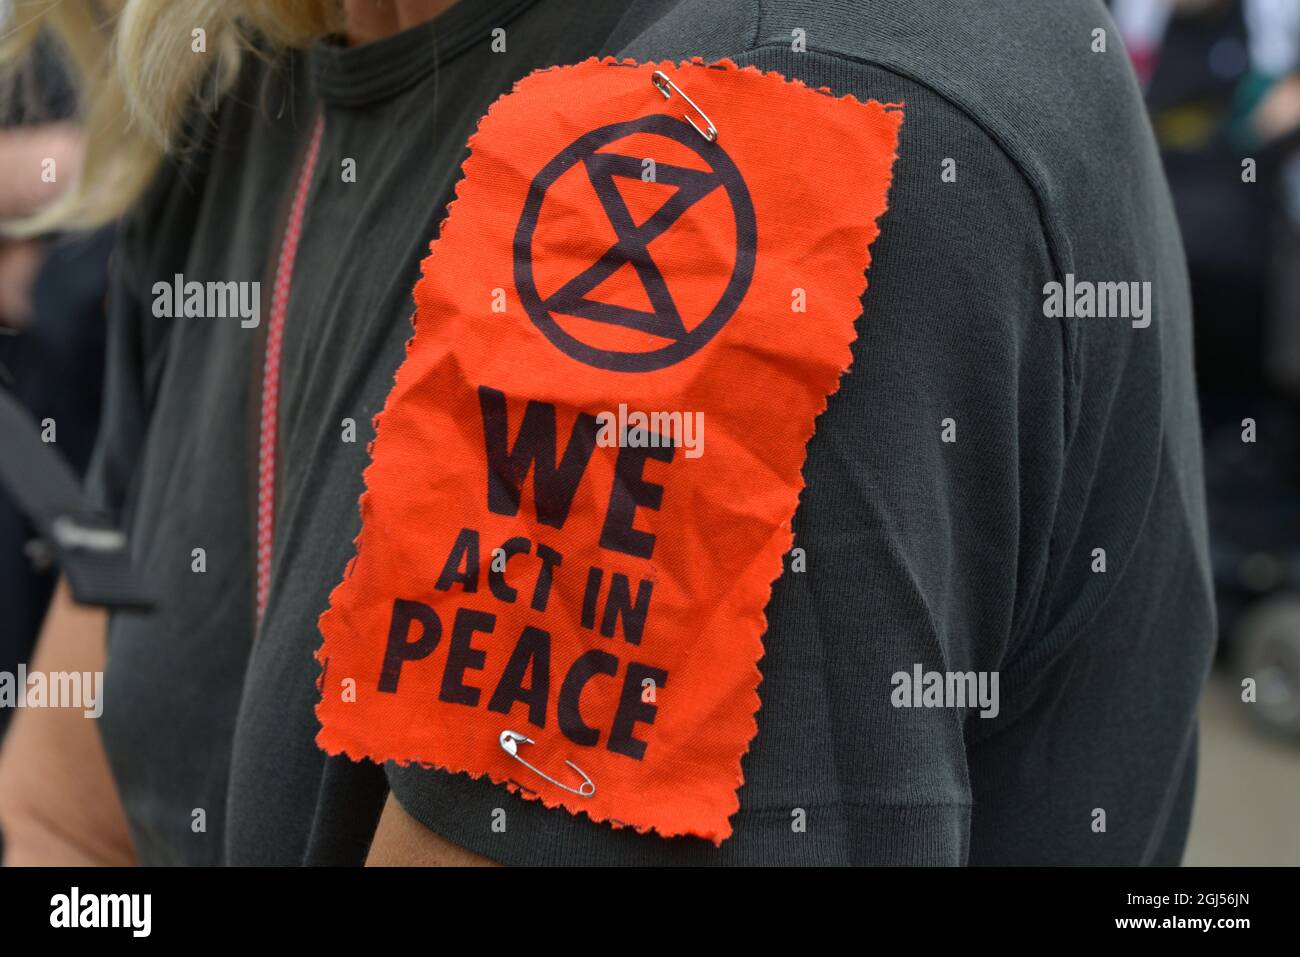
(1024, 158)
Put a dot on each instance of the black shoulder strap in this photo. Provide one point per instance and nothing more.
(89, 549)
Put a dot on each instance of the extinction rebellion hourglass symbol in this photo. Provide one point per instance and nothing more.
(663, 321)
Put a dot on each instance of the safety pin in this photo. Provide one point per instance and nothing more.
(667, 87)
(510, 741)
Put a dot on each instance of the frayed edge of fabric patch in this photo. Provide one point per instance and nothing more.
(334, 743)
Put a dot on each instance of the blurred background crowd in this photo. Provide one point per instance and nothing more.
(1222, 83)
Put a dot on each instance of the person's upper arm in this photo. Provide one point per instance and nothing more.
(933, 476)
(58, 802)
(58, 805)
(925, 522)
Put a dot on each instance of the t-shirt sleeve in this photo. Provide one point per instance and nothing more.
(122, 415)
(134, 344)
(924, 533)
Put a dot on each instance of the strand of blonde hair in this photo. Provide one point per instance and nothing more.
(137, 77)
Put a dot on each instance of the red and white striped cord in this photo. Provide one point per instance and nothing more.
(266, 447)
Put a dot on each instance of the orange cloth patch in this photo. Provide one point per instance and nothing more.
(537, 559)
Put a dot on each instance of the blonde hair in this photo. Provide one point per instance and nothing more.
(137, 77)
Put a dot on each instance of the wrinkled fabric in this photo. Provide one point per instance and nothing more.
(548, 589)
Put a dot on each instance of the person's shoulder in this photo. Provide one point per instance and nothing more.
(1049, 85)
(998, 57)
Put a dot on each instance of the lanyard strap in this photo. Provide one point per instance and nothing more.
(269, 419)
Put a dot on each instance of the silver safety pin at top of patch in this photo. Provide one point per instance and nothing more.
(667, 87)
(510, 741)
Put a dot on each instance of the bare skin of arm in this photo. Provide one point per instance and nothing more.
(402, 841)
(1279, 112)
(58, 804)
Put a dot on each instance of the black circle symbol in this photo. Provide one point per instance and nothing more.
(631, 246)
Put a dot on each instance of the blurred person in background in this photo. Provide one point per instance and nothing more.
(52, 289)
(1222, 84)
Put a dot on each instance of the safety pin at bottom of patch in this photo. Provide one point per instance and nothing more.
(510, 741)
